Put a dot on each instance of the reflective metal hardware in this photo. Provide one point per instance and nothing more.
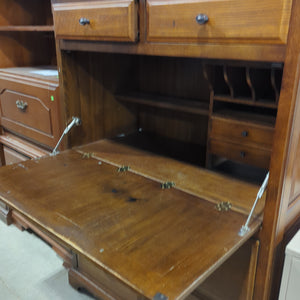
(123, 169)
(245, 228)
(160, 296)
(75, 121)
(87, 155)
(167, 185)
(202, 19)
(223, 206)
(242, 154)
(21, 105)
(84, 21)
(245, 133)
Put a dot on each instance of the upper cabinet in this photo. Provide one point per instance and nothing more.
(218, 20)
(97, 20)
(218, 29)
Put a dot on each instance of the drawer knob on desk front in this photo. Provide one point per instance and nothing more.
(245, 133)
(84, 21)
(21, 105)
(202, 19)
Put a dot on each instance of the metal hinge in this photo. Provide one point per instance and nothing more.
(87, 155)
(123, 169)
(160, 296)
(223, 206)
(167, 185)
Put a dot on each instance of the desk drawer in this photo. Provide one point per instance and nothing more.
(242, 132)
(227, 19)
(241, 153)
(96, 20)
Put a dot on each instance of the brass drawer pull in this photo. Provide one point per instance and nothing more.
(202, 19)
(21, 105)
(84, 21)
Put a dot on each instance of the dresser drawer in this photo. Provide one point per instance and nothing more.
(242, 132)
(12, 157)
(29, 108)
(96, 20)
(241, 153)
(222, 20)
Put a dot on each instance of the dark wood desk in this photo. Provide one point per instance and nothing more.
(131, 242)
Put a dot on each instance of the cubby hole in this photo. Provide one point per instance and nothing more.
(254, 114)
(25, 13)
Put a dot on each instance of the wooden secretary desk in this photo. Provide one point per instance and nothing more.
(185, 106)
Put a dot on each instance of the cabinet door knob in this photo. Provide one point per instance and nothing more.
(21, 105)
(242, 154)
(245, 133)
(84, 21)
(202, 19)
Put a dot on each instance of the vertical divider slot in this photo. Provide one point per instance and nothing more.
(264, 84)
(236, 78)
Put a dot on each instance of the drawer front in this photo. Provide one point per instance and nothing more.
(241, 153)
(242, 132)
(30, 110)
(227, 19)
(96, 20)
(11, 156)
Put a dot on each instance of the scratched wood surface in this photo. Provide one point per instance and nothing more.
(197, 181)
(152, 239)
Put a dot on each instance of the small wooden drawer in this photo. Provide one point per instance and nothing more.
(245, 133)
(96, 20)
(11, 156)
(241, 153)
(108, 287)
(29, 106)
(193, 21)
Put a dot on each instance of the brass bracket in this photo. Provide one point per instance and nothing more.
(223, 206)
(123, 169)
(87, 155)
(167, 185)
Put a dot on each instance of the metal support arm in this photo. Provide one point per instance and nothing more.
(75, 121)
(245, 228)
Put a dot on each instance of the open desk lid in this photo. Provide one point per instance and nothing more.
(154, 240)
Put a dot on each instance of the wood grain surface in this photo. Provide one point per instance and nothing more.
(152, 239)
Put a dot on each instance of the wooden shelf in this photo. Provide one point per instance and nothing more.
(197, 107)
(39, 28)
(247, 101)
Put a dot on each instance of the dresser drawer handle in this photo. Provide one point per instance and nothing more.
(202, 19)
(242, 154)
(245, 133)
(21, 105)
(84, 21)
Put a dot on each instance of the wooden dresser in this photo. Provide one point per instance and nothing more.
(185, 106)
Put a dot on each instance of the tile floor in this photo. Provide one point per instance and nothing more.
(31, 270)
